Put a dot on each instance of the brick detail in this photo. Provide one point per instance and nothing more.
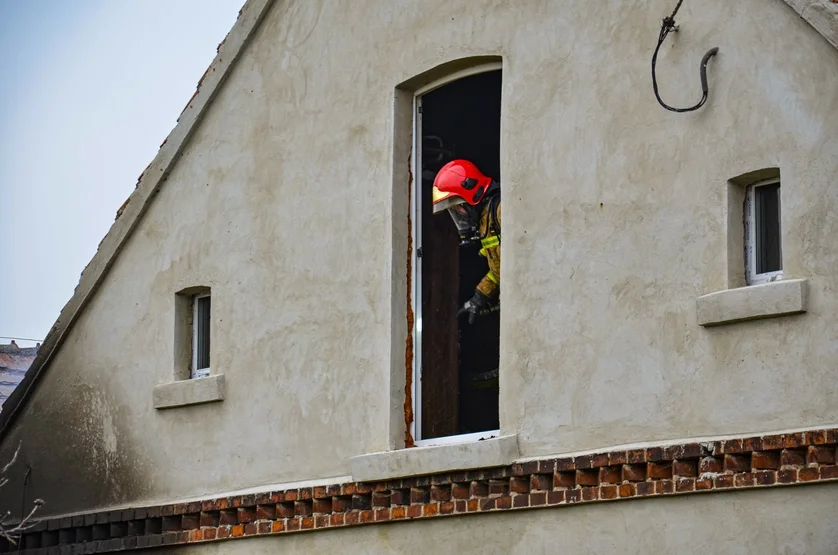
(519, 484)
(763, 461)
(587, 477)
(743, 480)
(541, 482)
(793, 457)
(818, 454)
(711, 465)
(737, 463)
(441, 493)
(610, 475)
(659, 470)
(498, 487)
(829, 472)
(684, 485)
(687, 468)
(564, 479)
(319, 506)
(479, 489)
(634, 473)
(460, 490)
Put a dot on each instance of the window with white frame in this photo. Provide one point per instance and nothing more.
(763, 243)
(201, 335)
(456, 384)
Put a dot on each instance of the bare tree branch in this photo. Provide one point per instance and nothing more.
(11, 462)
(11, 531)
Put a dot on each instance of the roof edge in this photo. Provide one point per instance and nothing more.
(820, 14)
(131, 212)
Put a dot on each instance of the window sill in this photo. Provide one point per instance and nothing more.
(455, 440)
(189, 392)
(777, 298)
(417, 461)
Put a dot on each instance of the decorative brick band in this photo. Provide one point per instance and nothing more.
(762, 461)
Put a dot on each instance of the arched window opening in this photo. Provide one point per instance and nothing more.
(456, 386)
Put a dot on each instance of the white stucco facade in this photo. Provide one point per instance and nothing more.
(290, 203)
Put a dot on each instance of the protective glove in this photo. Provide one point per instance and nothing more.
(478, 305)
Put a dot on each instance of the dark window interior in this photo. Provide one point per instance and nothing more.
(459, 360)
(767, 213)
(202, 334)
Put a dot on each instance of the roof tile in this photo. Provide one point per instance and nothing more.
(14, 362)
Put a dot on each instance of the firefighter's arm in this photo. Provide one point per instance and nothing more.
(478, 305)
(485, 298)
(490, 284)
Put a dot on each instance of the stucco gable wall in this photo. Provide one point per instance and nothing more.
(602, 343)
(613, 225)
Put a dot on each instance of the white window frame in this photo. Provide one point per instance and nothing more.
(416, 232)
(751, 275)
(195, 371)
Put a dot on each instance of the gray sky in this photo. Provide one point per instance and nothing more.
(88, 91)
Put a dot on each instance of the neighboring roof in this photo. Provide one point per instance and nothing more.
(821, 14)
(14, 362)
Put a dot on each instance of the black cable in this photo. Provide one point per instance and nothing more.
(20, 338)
(675, 11)
(23, 504)
(668, 26)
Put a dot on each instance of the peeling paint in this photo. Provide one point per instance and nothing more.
(408, 349)
(121, 209)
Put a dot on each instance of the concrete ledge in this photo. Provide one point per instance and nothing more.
(417, 461)
(189, 392)
(754, 302)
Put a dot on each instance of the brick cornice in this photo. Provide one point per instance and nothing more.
(682, 468)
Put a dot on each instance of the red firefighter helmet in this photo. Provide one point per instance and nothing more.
(459, 181)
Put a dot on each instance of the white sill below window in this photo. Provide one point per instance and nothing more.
(432, 459)
(194, 391)
(768, 277)
(777, 298)
(453, 440)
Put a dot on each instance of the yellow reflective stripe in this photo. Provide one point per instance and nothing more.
(490, 242)
(492, 278)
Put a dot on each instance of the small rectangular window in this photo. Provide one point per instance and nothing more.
(201, 336)
(763, 245)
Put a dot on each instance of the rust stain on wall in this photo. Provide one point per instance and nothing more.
(408, 348)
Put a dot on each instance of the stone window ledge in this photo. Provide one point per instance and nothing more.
(417, 461)
(754, 302)
(189, 392)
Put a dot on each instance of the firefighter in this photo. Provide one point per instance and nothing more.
(473, 201)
